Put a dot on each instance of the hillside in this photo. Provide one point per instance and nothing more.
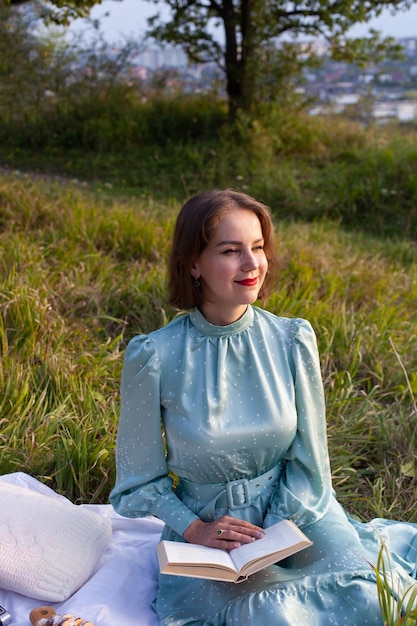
(82, 272)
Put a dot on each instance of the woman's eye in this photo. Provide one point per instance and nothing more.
(230, 251)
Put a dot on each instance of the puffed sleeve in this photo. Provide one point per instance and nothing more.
(305, 490)
(143, 486)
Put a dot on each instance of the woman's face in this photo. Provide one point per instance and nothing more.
(232, 268)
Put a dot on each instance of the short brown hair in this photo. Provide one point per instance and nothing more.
(195, 226)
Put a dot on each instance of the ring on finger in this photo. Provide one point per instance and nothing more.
(220, 532)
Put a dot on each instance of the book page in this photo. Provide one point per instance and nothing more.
(277, 537)
(178, 552)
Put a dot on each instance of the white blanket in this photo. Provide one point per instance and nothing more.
(120, 590)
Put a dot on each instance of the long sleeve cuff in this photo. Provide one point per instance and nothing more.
(173, 512)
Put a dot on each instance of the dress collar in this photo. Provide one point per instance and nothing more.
(200, 322)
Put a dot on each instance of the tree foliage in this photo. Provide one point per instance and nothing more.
(26, 62)
(45, 76)
(59, 11)
(250, 39)
(252, 27)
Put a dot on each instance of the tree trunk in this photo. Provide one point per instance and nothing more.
(240, 52)
(248, 55)
(232, 60)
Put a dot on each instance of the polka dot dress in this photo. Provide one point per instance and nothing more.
(215, 404)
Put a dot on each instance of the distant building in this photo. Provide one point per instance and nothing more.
(155, 58)
(410, 45)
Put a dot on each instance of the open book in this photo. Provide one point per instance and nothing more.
(188, 559)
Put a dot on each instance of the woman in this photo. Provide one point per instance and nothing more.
(240, 396)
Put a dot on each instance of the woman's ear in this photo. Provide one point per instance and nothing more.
(194, 271)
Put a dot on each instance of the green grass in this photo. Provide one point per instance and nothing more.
(173, 146)
(397, 600)
(82, 267)
(76, 276)
(82, 272)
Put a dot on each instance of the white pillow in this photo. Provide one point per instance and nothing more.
(49, 547)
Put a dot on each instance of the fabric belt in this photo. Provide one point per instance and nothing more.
(236, 494)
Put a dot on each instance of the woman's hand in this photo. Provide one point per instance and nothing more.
(226, 533)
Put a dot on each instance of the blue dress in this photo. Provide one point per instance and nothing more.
(237, 402)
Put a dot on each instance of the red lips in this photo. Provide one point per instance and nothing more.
(248, 282)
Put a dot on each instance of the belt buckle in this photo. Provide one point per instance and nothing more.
(238, 494)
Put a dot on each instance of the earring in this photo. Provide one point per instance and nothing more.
(196, 283)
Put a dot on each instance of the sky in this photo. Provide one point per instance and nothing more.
(129, 18)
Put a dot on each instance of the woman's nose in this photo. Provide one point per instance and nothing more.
(250, 262)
